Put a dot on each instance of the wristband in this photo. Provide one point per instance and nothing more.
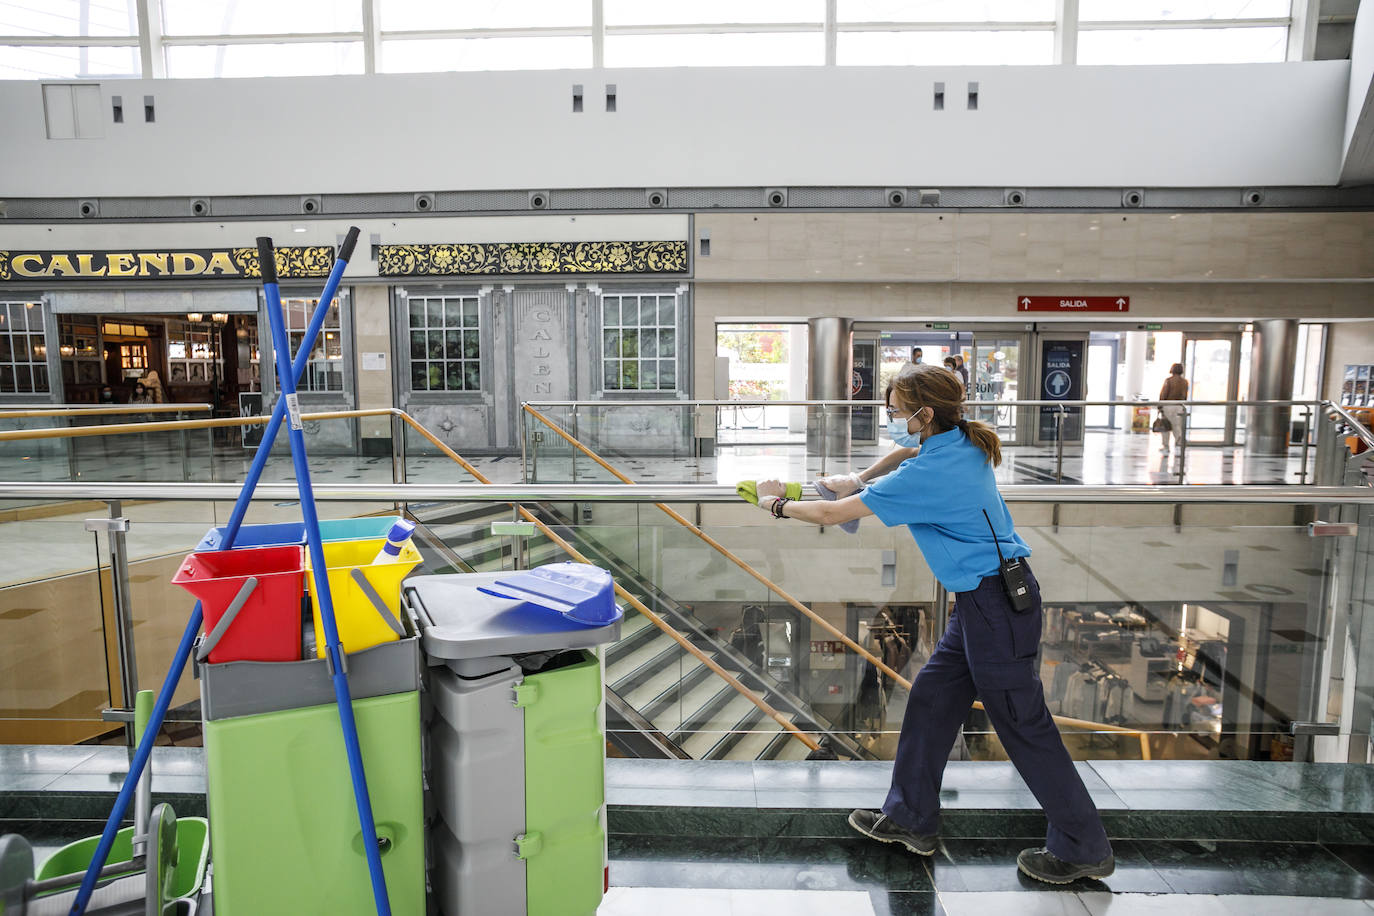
(777, 506)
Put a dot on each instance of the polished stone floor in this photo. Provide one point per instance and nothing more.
(705, 838)
(674, 875)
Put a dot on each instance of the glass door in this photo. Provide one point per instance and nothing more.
(1103, 355)
(1212, 368)
(995, 377)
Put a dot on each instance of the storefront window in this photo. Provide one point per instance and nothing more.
(79, 343)
(639, 342)
(445, 343)
(324, 372)
(23, 351)
(190, 350)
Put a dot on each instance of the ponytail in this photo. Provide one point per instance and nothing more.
(943, 392)
(986, 438)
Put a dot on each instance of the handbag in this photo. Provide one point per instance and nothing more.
(1161, 424)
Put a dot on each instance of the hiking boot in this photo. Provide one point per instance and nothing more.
(879, 826)
(1043, 865)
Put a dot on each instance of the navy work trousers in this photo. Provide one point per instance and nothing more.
(988, 651)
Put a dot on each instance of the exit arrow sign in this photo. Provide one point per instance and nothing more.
(1073, 304)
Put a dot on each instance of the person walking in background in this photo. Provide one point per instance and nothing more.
(1175, 389)
(962, 370)
(153, 385)
(947, 497)
(952, 364)
(916, 356)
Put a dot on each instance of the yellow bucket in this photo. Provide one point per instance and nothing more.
(367, 595)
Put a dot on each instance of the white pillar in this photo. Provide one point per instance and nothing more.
(796, 376)
(1135, 365)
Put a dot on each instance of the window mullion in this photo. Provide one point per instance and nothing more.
(1066, 31)
(598, 34)
(372, 36)
(831, 39)
(150, 46)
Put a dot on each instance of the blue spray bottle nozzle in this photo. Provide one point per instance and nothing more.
(396, 540)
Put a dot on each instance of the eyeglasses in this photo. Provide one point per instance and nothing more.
(901, 414)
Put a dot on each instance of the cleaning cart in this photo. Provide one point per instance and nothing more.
(516, 737)
(283, 607)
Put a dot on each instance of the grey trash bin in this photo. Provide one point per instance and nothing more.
(515, 750)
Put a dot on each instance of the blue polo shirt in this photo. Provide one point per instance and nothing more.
(940, 495)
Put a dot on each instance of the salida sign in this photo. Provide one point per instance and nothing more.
(1073, 304)
(199, 263)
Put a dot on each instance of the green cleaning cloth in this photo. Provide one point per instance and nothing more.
(748, 491)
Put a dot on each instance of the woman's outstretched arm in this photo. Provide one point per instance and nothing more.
(817, 512)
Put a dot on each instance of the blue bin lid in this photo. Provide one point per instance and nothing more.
(581, 593)
(280, 534)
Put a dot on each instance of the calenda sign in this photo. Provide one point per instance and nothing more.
(539, 357)
(161, 264)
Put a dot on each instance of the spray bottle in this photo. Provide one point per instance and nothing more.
(396, 540)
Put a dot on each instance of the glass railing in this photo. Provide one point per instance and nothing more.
(1214, 621)
(62, 442)
(1218, 442)
(66, 659)
(177, 445)
(647, 442)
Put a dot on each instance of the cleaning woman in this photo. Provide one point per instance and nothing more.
(947, 497)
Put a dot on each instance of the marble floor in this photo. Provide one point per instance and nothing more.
(844, 876)
(769, 838)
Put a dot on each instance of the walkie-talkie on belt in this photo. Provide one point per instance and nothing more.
(1013, 573)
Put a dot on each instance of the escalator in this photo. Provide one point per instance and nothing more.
(661, 699)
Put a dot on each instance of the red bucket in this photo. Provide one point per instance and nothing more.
(267, 627)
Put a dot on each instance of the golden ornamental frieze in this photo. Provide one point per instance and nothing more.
(163, 264)
(468, 258)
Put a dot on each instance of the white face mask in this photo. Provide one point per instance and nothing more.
(898, 430)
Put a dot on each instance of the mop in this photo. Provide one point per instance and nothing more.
(193, 625)
(319, 569)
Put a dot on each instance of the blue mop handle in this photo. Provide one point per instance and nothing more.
(320, 577)
(269, 435)
(145, 746)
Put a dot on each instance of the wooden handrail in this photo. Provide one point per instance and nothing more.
(638, 605)
(116, 429)
(777, 590)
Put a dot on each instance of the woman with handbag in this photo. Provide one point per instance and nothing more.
(1170, 420)
(947, 497)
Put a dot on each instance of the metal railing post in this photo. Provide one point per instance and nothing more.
(115, 527)
(524, 456)
(398, 458)
(70, 446)
(1059, 445)
(1306, 441)
(1182, 443)
(186, 453)
(572, 455)
(825, 435)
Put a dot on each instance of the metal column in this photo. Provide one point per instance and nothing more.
(1272, 357)
(829, 373)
